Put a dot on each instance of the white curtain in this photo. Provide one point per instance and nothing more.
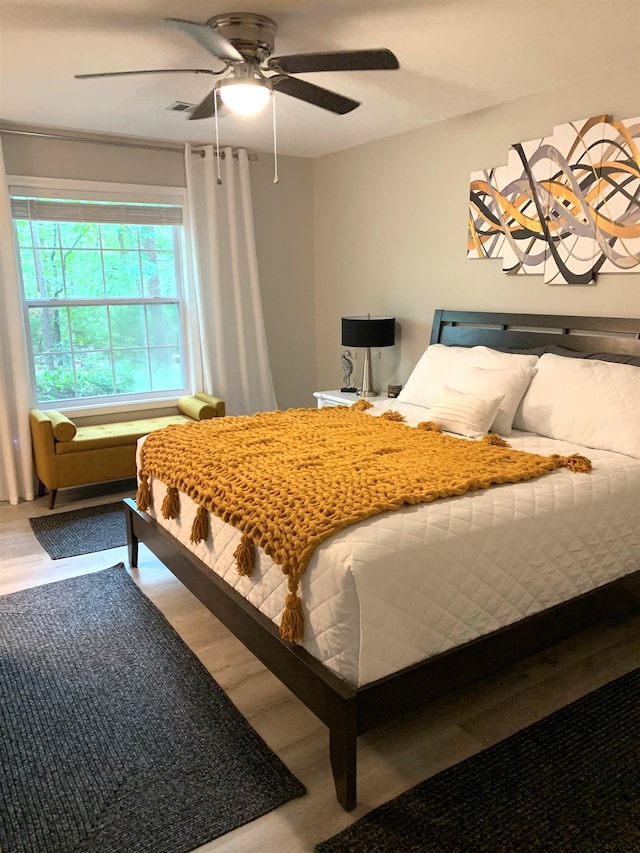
(231, 322)
(16, 468)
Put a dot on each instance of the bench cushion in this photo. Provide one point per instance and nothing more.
(118, 434)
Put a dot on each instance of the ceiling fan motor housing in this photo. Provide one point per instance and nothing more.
(251, 34)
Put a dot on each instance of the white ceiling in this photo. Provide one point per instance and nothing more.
(456, 56)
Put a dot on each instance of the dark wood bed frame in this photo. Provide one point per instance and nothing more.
(347, 711)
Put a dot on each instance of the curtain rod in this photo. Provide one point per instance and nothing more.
(154, 146)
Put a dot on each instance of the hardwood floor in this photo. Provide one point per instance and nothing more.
(391, 759)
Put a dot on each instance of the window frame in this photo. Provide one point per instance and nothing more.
(75, 190)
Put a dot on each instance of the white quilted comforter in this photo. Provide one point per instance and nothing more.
(405, 585)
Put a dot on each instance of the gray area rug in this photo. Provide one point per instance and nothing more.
(568, 784)
(81, 531)
(114, 737)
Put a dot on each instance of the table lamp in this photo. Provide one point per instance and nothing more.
(367, 332)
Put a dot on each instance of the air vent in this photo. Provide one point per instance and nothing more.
(181, 107)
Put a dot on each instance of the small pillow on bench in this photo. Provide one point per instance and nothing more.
(200, 406)
(216, 402)
(63, 428)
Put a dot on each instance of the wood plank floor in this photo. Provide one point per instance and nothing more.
(391, 759)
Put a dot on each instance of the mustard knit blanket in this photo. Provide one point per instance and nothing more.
(288, 480)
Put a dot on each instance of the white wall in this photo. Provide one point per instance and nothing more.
(51, 158)
(283, 215)
(391, 227)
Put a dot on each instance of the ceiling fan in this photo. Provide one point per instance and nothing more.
(244, 42)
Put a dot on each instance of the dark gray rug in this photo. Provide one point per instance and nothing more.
(114, 737)
(568, 784)
(81, 531)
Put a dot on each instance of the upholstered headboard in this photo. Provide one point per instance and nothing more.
(527, 331)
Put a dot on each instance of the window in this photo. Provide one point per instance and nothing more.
(104, 298)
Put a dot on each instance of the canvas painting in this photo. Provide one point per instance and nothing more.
(568, 205)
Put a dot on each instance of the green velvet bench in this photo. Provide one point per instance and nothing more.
(68, 455)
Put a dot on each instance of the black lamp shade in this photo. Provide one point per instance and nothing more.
(368, 331)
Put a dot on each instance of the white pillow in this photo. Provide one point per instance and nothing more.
(510, 383)
(592, 403)
(440, 365)
(495, 360)
(429, 376)
(464, 414)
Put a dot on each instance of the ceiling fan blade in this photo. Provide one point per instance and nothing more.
(148, 71)
(206, 109)
(313, 94)
(342, 60)
(208, 38)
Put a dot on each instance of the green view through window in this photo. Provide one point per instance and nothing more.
(103, 297)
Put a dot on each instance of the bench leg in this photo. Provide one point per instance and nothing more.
(52, 497)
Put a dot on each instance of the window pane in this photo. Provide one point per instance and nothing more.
(164, 325)
(54, 377)
(166, 368)
(128, 327)
(29, 279)
(49, 330)
(45, 234)
(119, 236)
(90, 327)
(156, 237)
(48, 265)
(159, 273)
(83, 274)
(23, 229)
(79, 235)
(94, 374)
(132, 371)
(122, 273)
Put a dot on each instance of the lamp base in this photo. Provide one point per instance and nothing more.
(366, 390)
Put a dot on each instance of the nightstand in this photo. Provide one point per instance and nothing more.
(339, 398)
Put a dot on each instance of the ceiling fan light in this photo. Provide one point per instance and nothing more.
(246, 97)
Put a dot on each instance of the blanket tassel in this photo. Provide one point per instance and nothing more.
(292, 624)
(429, 426)
(494, 440)
(171, 503)
(245, 556)
(200, 526)
(392, 415)
(143, 495)
(576, 462)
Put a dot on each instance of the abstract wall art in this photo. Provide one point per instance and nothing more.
(566, 206)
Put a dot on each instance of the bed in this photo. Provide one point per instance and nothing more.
(519, 567)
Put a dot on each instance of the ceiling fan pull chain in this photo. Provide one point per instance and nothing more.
(276, 179)
(215, 114)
